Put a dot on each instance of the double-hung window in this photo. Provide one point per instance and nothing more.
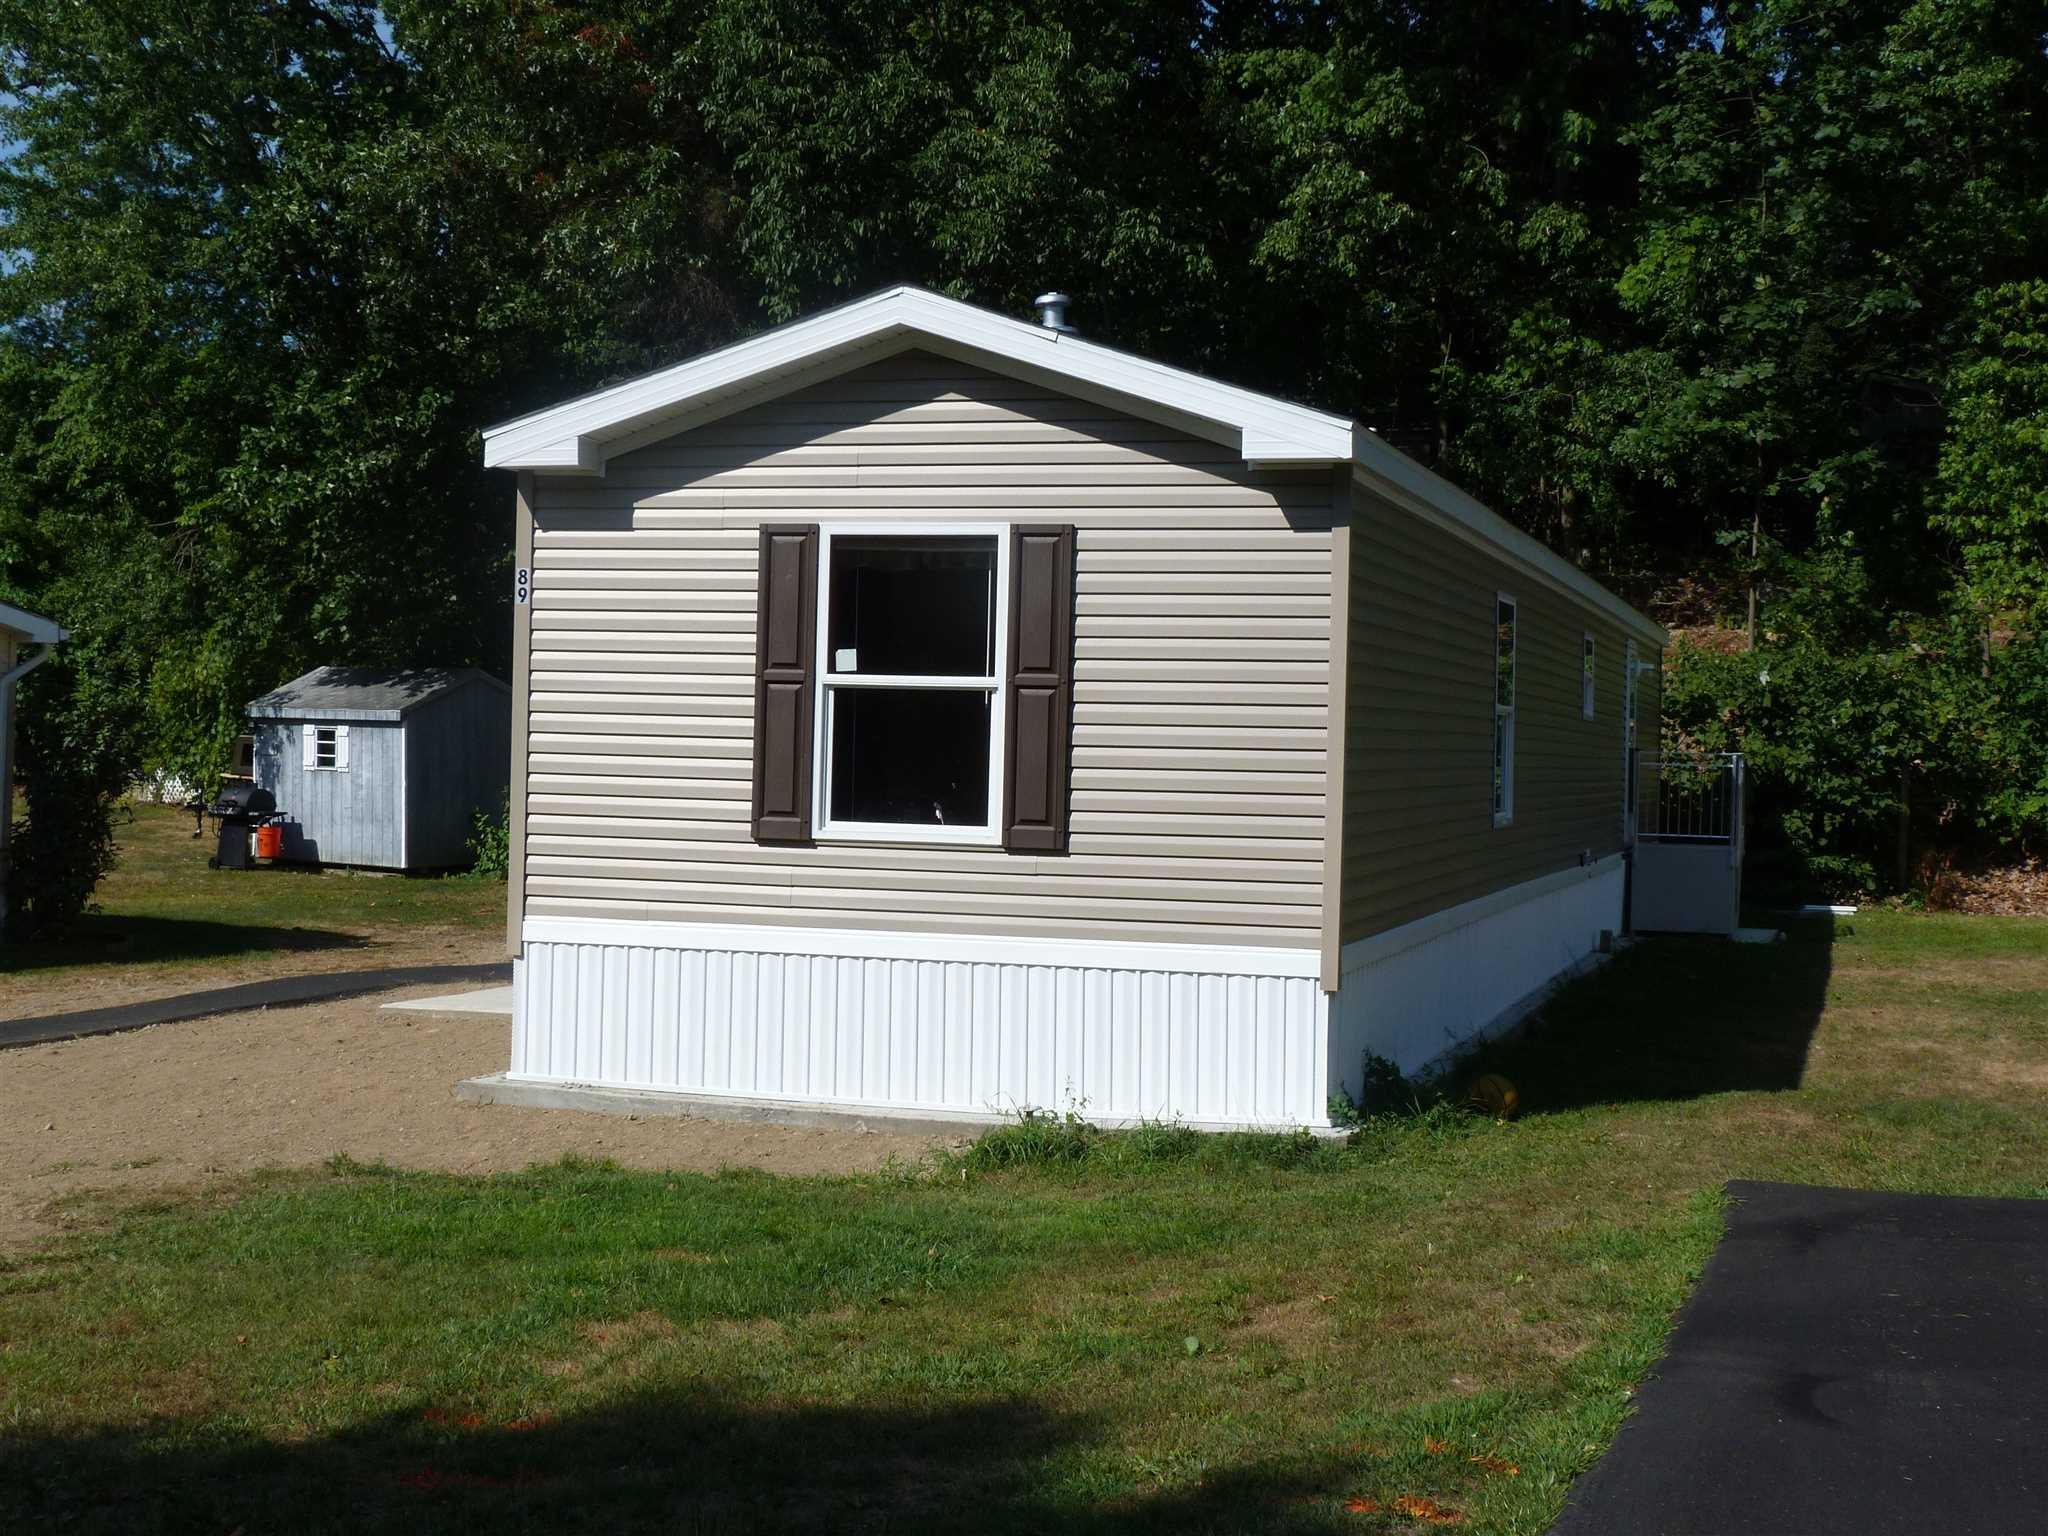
(912, 648)
(1503, 709)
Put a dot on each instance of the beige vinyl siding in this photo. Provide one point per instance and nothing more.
(1419, 833)
(1201, 669)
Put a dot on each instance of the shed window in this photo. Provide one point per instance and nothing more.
(910, 632)
(325, 747)
(1588, 672)
(1503, 709)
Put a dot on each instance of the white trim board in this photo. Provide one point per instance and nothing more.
(581, 436)
(871, 944)
(832, 687)
(1383, 946)
(574, 437)
(32, 626)
(1384, 471)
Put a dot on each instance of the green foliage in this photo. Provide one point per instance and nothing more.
(1855, 720)
(1037, 1138)
(76, 732)
(490, 842)
(58, 852)
(1043, 1140)
(1651, 279)
(1994, 460)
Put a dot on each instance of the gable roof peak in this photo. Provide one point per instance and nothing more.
(578, 436)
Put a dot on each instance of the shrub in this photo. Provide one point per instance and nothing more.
(75, 758)
(490, 842)
(1873, 738)
(58, 853)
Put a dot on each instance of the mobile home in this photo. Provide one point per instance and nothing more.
(918, 709)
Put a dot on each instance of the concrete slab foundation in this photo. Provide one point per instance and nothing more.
(490, 1000)
(497, 1088)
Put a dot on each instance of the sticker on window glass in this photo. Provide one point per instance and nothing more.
(847, 660)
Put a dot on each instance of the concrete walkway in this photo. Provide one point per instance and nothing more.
(1852, 1364)
(278, 992)
(488, 1000)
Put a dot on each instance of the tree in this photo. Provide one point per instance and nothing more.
(1994, 459)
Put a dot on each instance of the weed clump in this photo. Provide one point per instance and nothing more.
(1041, 1139)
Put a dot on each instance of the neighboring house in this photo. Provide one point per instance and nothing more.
(383, 768)
(25, 641)
(918, 708)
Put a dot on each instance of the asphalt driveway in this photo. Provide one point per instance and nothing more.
(1852, 1362)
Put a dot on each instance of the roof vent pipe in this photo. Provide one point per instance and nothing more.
(1052, 312)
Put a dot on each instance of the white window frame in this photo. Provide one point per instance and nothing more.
(310, 752)
(1504, 714)
(1589, 675)
(1628, 698)
(823, 827)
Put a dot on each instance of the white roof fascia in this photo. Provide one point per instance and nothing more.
(579, 436)
(571, 438)
(1386, 471)
(758, 392)
(33, 626)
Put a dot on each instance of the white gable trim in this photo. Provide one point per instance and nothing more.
(577, 437)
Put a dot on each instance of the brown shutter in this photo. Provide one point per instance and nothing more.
(785, 651)
(1041, 694)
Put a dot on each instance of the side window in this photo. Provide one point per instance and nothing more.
(1628, 696)
(1503, 709)
(1588, 675)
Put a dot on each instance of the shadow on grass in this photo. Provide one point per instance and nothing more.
(114, 939)
(668, 1460)
(1676, 1018)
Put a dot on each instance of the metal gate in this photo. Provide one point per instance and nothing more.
(1686, 874)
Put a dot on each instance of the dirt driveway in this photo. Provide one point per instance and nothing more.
(183, 1104)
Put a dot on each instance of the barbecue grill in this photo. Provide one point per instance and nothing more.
(240, 808)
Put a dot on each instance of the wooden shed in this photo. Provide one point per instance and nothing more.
(922, 710)
(382, 768)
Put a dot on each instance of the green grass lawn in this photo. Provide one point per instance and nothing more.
(1051, 1331)
(163, 916)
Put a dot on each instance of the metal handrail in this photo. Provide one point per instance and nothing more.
(1691, 798)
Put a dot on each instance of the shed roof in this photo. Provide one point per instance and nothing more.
(31, 625)
(579, 436)
(364, 693)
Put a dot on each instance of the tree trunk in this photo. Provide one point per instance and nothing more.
(1903, 865)
(1756, 523)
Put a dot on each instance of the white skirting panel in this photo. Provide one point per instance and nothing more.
(1418, 993)
(924, 1024)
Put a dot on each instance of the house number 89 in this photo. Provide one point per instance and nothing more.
(521, 584)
